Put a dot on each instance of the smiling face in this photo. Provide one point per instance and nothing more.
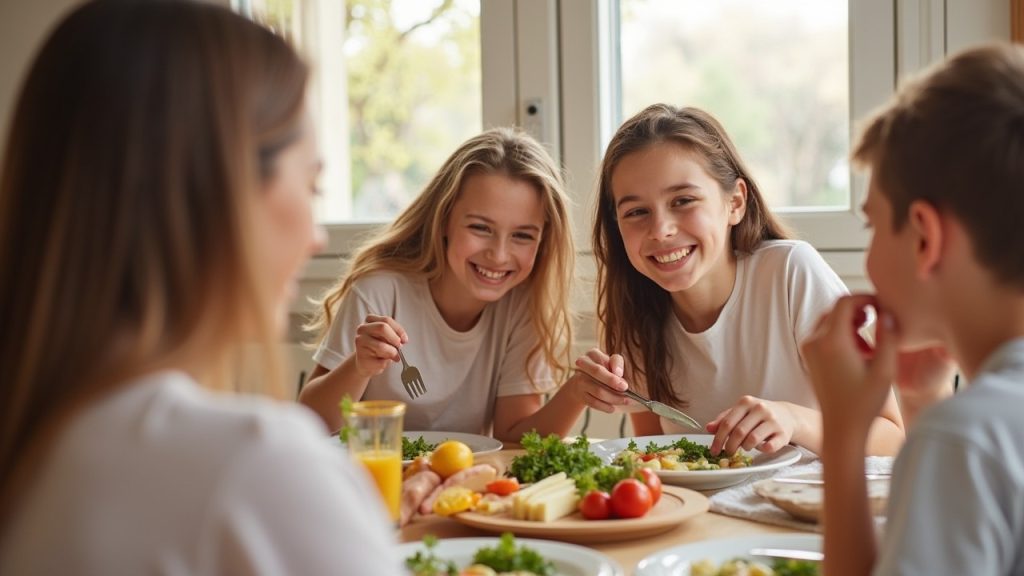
(674, 217)
(493, 234)
(286, 230)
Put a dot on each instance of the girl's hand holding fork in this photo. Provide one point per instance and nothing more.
(377, 342)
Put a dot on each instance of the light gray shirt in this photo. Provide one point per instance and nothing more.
(956, 505)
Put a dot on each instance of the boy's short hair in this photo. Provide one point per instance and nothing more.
(955, 138)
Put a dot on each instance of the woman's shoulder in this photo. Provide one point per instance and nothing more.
(174, 408)
(389, 280)
(787, 257)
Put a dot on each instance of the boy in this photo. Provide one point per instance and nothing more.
(946, 202)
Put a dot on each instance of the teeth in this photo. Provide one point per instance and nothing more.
(492, 274)
(674, 256)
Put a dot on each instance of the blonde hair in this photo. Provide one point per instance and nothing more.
(414, 243)
(955, 138)
(125, 234)
(631, 308)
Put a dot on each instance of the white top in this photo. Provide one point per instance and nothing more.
(165, 477)
(956, 505)
(464, 372)
(781, 290)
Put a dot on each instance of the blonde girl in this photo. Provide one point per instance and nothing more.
(155, 209)
(472, 282)
(702, 297)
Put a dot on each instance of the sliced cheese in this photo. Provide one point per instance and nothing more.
(520, 498)
(553, 504)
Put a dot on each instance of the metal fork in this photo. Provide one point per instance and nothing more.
(411, 378)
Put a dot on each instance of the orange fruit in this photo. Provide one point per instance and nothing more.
(450, 457)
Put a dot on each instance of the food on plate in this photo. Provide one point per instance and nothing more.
(807, 501)
(493, 504)
(414, 448)
(464, 478)
(414, 490)
(504, 558)
(630, 498)
(502, 486)
(741, 567)
(547, 456)
(596, 505)
(547, 500)
(653, 483)
(418, 464)
(454, 500)
(449, 457)
(682, 454)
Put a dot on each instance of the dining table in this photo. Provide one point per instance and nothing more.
(705, 526)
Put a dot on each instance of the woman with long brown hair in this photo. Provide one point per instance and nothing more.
(157, 150)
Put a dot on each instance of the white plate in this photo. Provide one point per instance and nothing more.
(569, 559)
(700, 479)
(477, 443)
(676, 561)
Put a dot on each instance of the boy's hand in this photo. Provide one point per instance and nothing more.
(377, 342)
(752, 423)
(598, 380)
(851, 378)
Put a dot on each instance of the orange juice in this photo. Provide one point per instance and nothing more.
(386, 468)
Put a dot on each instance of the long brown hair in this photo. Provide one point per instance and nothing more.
(631, 308)
(954, 137)
(139, 141)
(414, 242)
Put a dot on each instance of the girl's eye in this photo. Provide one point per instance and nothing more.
(479, 228)
(681, 201)
(634, 212)
(524, 236)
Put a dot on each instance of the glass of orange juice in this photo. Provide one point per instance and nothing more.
(375, 439)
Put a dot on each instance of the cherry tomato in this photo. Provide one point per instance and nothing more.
(648, 457)
(653, 483)
(631, 498)
(503, 486)
(596, 505)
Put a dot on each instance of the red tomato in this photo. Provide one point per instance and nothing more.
(503, 486)
(631, 498)
(648, 457)
(653, 483)
(596, 505)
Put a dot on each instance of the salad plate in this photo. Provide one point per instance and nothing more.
(569, 559)
(700, 479)
(678, 560)
(477, 443)
(675, 506)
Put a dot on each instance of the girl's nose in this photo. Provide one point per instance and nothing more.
(499, 250)
(662, 226)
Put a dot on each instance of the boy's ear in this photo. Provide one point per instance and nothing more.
(926, 222)
(738, 202)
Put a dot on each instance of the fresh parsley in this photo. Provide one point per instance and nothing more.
(547, 456)
(506, 557)
(425, 563)
(415, 448)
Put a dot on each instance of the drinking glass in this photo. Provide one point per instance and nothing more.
(375, 439)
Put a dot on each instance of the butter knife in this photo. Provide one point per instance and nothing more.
(788, 554)
(664, 410)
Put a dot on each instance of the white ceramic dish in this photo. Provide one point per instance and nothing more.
(477, 443)
(569, 559)
(700, 479)
(676, 561)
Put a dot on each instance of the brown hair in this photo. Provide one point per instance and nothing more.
(632, 308)
(414, 243)
(955, 139)
(140, 139)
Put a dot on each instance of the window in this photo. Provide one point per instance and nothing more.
(396, 88)
(775, 74)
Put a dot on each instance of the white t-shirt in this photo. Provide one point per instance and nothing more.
(956, 503)
(464, 372)
(165, 477)
(781, 290)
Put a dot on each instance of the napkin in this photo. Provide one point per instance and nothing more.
(741, 501)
